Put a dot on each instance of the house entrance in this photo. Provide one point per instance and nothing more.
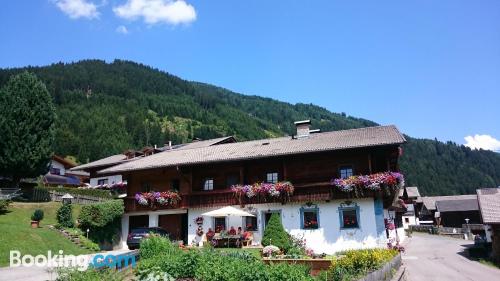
(175, 225)
(138, 221)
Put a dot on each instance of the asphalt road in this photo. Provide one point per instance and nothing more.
(432, 257)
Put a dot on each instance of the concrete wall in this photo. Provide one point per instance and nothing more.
(111, 179)
(328, 238)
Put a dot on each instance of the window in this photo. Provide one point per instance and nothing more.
(232, 180)
(250, 223)
(208, 184)
(219, 224)
(174, 185)
(272, 177)
(407, 220)
(349, 215)
(102, 181)
(309, 217)
(55, 171)
(345, 172)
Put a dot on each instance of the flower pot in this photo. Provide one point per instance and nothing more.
(35, 224)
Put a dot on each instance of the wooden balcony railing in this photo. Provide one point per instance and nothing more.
(311, 192)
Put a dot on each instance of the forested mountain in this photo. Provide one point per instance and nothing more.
(105, 108)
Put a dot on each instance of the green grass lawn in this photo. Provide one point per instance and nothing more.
(16, 232)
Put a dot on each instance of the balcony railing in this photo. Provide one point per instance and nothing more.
(311, 192)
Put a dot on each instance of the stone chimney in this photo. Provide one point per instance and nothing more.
(303, 128)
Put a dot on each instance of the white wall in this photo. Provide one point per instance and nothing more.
(57, 165)
(328, 238)
(111, 179)
(411, 221)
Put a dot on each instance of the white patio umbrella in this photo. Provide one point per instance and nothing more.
(228, 211)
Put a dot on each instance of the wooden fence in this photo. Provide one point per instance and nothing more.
(386, 272)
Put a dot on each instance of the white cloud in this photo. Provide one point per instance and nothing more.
(122, 29)
(482, 141)
(78, 8)
(157, 11)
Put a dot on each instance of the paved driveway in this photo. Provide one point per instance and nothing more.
(432, 257)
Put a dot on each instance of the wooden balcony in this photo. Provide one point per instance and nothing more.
(131, 205)
(311, 192)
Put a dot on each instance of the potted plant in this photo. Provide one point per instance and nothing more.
(36, 218)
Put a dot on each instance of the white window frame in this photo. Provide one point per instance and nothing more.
(208, 184)
(272, 177)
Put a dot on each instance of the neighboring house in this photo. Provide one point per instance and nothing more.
(60, 173)
(411, 196)
(329, 219)
(450, 211)
(489, 204)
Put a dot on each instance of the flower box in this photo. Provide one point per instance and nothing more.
(375, 182)
(166, 198)
(264, 191)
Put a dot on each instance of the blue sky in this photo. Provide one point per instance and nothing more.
(430, 67)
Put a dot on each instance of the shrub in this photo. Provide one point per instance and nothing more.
(156, 245)
(4, 204)
(102, 219)
(276, 235)
(65, 216)
(40, 194)
(37, 215)
(72, 274)
(356, 263)
(106, 194)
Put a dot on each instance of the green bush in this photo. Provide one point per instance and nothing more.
(40, 194)
(276, 235)
(4, 204)
(102, 219)
(160, 260)
(72, 274)
(106, 194)
(156, 245)
(65, 216)
(37, 215)
(356, 263)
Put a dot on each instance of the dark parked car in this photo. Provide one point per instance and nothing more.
(137, 234)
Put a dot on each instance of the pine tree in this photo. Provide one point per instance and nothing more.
(27, 117)
(275, 234)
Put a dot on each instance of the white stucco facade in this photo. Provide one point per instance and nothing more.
(57, 165)
(111, 179)
(328, 238)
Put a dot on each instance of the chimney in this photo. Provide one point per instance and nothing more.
(303, 128)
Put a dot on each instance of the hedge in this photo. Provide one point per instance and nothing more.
(40, 194)
(102, 219)
(4, 204)
(83, 191)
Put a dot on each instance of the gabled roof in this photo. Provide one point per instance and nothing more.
(460, 205)
(202, 143)
(65, 162)
(328, 141)
(412, 192)
(122, 158)
(489, 203)
(430, 201)
(108, 161)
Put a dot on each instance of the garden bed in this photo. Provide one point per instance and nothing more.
(316, 265)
